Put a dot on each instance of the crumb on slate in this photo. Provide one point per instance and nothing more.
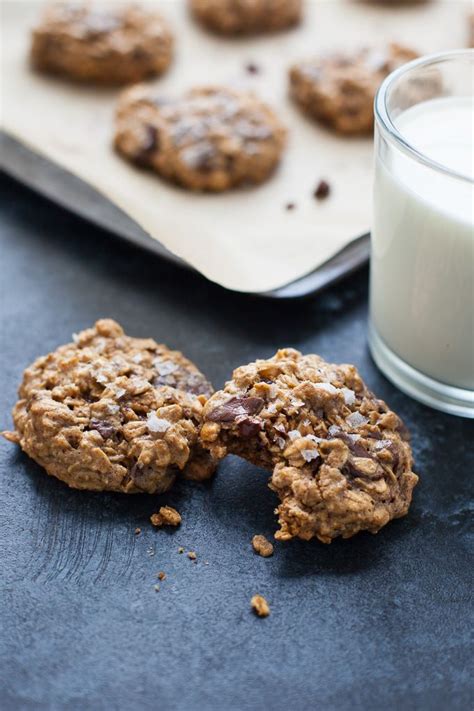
(166, 516)
(192, 555)
(138, 531)
(156, 588)
(260, 606)
(322, 190)
(262, 546)
(180, 549)
(161, 575)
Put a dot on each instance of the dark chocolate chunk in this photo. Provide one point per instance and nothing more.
(249, 427)
(105, 429)
(149, 144)
(404, 431)
(354, 446)
(236, 407)
(322, 190)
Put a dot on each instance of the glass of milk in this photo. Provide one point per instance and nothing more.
(422, 265)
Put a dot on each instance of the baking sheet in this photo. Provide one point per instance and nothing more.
(244, 240)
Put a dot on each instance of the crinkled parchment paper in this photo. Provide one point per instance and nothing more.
(244, 240)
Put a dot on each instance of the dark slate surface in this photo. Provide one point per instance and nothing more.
(375, 622)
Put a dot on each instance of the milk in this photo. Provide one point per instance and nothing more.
(422, 268)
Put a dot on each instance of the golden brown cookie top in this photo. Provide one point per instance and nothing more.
(111, 412)
(234, 17)
(339, 88)
(341, 458)
(210, 138)
(103, 43)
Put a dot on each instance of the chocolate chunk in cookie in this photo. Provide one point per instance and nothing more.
(339, 89)
(209, 139)
(340, 458)
(241, 17)
(111, 412)
(103, 44)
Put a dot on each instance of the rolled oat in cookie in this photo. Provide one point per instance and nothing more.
(241, 17)
(210, 139)
(113, 413)
(339, 89)
(340, 458)
(101, 43)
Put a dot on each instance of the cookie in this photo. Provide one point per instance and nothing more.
(244, 17)
(340, 458)
(209, 139)
(101, 44)
(339, 89)
(113, 413)
(470, 21)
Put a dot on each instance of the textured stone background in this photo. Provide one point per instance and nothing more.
(371, 623)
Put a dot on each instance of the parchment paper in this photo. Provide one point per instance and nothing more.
(244, 240)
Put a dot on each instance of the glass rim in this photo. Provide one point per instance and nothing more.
(388, 128)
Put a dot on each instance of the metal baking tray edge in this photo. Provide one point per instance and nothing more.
(69, 191)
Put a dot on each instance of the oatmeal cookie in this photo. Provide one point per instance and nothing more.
(339, 89)
(243, 17)
(101, 44)
(340, 458)
(210, 139)
(113, 413)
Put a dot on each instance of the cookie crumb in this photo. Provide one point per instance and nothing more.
(192, 555)
(260, 606)
(290, 206)
(322, 191)
(138, 531)
(262, 546)
(161, 575)
(156, 588)
(166, 516)
(252, 68)
(180, 550)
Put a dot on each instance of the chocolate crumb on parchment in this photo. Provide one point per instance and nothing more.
(290, 206)
(166, 516)
(323, 190)
(252, 68)
(262, 546)
(260, 606)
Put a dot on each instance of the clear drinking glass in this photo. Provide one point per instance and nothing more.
(421, 331)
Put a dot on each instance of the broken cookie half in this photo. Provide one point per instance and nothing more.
(340, 458)
(113, 413)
